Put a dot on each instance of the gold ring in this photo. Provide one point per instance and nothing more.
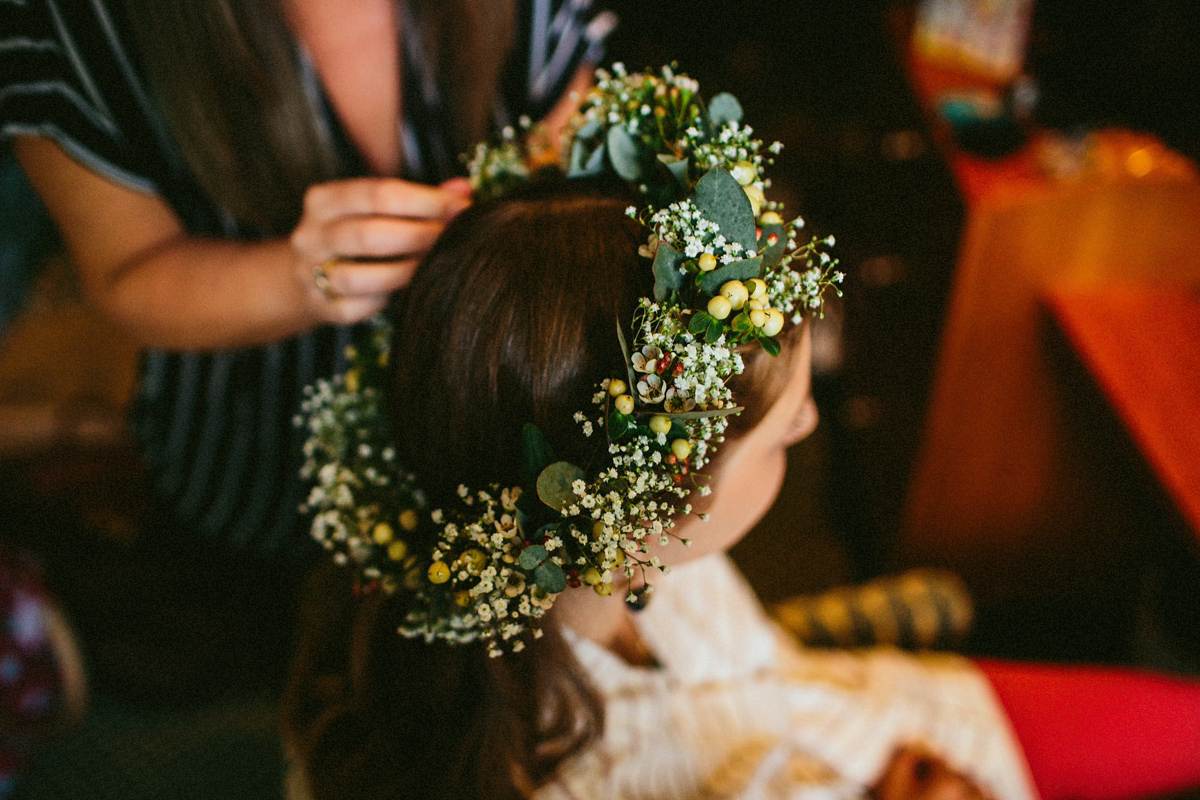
(320, 274)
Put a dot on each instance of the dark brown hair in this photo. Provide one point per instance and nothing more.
(227, 78)
(510, 319)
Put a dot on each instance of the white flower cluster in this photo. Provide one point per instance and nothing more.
(620, 98)
(685, 228)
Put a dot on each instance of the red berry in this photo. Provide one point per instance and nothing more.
(671, 459)
(678, 368)
(772, 239)
(663, 364)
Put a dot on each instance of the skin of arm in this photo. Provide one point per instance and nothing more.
(172, 290)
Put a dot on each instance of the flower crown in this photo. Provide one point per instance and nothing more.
(727, 272)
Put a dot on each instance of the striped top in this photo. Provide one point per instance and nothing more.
(737, 710)
(217, 427)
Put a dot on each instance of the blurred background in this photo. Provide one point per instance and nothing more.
(1010, 386)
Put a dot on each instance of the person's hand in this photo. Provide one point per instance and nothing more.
(916, 774)
(359, 240)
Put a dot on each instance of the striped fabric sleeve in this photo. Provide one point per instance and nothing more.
(64, 74)
(554, 38)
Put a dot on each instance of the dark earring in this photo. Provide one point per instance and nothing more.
(638, 599)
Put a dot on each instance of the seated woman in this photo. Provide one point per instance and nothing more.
(583, 408)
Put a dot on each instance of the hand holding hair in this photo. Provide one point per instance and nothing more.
(360, 239)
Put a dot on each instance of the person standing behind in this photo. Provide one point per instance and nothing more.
(239, 182)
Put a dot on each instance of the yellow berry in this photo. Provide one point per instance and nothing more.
(744, 173)
(408, 519)
(591, 576)
(624, 404)
(351, 379)
(770, 218)
(438, 572)
(397, 550)
(774, 323)
(736, 292)
(620, 559)
(462, 597)
(719, 307)
(598, 528)
(616, 387)
(604, 588)
(473, 560)
(660, 423)
(707, 262)
(758, 317)
(382, 533)
(412, 579)
(757, 288)
(682, 448)
(756, 197)
(756, 305)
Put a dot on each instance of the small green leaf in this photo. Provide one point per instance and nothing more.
(724, 108)
(532, 556)
(742, 323)
(722, 200)
(742, 270)
(536, 453)
(771, 345)
(618, 425)
(699, 322)
(554, 484)
(624, 153)
(549, 577)
(715, 329)
(666, 271)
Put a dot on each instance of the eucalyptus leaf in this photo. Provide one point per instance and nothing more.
(595, 164)
(550, 577)
(666, 271)
(772, 253)
(722, 200)
(583, 163)
(532, 556)
(624, 153)
(536, 453)
(588, 129)
(578, 162)
(724, 108)
(742, 270)
(678, 167)
(554, 484)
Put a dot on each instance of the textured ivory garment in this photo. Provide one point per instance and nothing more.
(738, 710)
